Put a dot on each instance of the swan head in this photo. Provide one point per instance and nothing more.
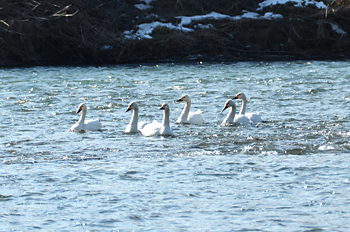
(165, 106)
(240, 96)
(132, 106)
(229, 103)
(82, 107)
(184, 98)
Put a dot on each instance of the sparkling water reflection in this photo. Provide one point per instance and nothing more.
(290, 172)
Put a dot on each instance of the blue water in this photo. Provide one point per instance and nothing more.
(289, 173)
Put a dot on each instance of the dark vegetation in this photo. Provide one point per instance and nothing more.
(53, 32)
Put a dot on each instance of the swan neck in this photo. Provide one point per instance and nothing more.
(166, 121)
(134, 117)
(243, 107)
(186, 110)
(231, 115)
(83, 116)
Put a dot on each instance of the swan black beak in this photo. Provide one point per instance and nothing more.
(127, 110)
(181, 99)
(235, 98)
(224, 109)
(78, 111)
(161, 108)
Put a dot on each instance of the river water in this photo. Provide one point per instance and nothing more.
(289, 173)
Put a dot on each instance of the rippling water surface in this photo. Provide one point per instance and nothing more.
(289, 173)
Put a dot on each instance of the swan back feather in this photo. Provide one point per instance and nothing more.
(254, 117)
(155, 128)
(189, 117)
(231, 117)
(82, 124)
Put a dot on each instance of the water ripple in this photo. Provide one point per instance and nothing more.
(291, 171)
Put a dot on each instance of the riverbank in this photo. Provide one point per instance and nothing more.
(110, 32)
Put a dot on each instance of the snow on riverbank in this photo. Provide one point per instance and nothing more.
(144, 31)
(297, 3)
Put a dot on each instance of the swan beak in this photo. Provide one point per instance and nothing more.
(161, 108)
(80, 109)
(224, 109)
(235, 97)
(128, 109)
(181, 99)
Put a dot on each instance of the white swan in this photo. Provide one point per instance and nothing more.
(254, 117)
(134, 126)
(83, 124)
(231, 117)
(156, 128)
(189, 117)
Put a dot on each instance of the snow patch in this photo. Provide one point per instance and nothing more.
(337, 29)
(271, 15)
(145, 6)
(298, 3)
(250, 15)
(186, 20)
(146, 29)
(201, 26)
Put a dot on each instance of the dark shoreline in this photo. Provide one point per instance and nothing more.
(75, 33)
(169, 61)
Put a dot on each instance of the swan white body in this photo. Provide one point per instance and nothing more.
(231, 117)
(134, 126)
(83, 124)
(189, 117)
(155, 128)
(254, 117)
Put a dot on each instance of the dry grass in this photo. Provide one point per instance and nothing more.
(61, 31)
(75, 32)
